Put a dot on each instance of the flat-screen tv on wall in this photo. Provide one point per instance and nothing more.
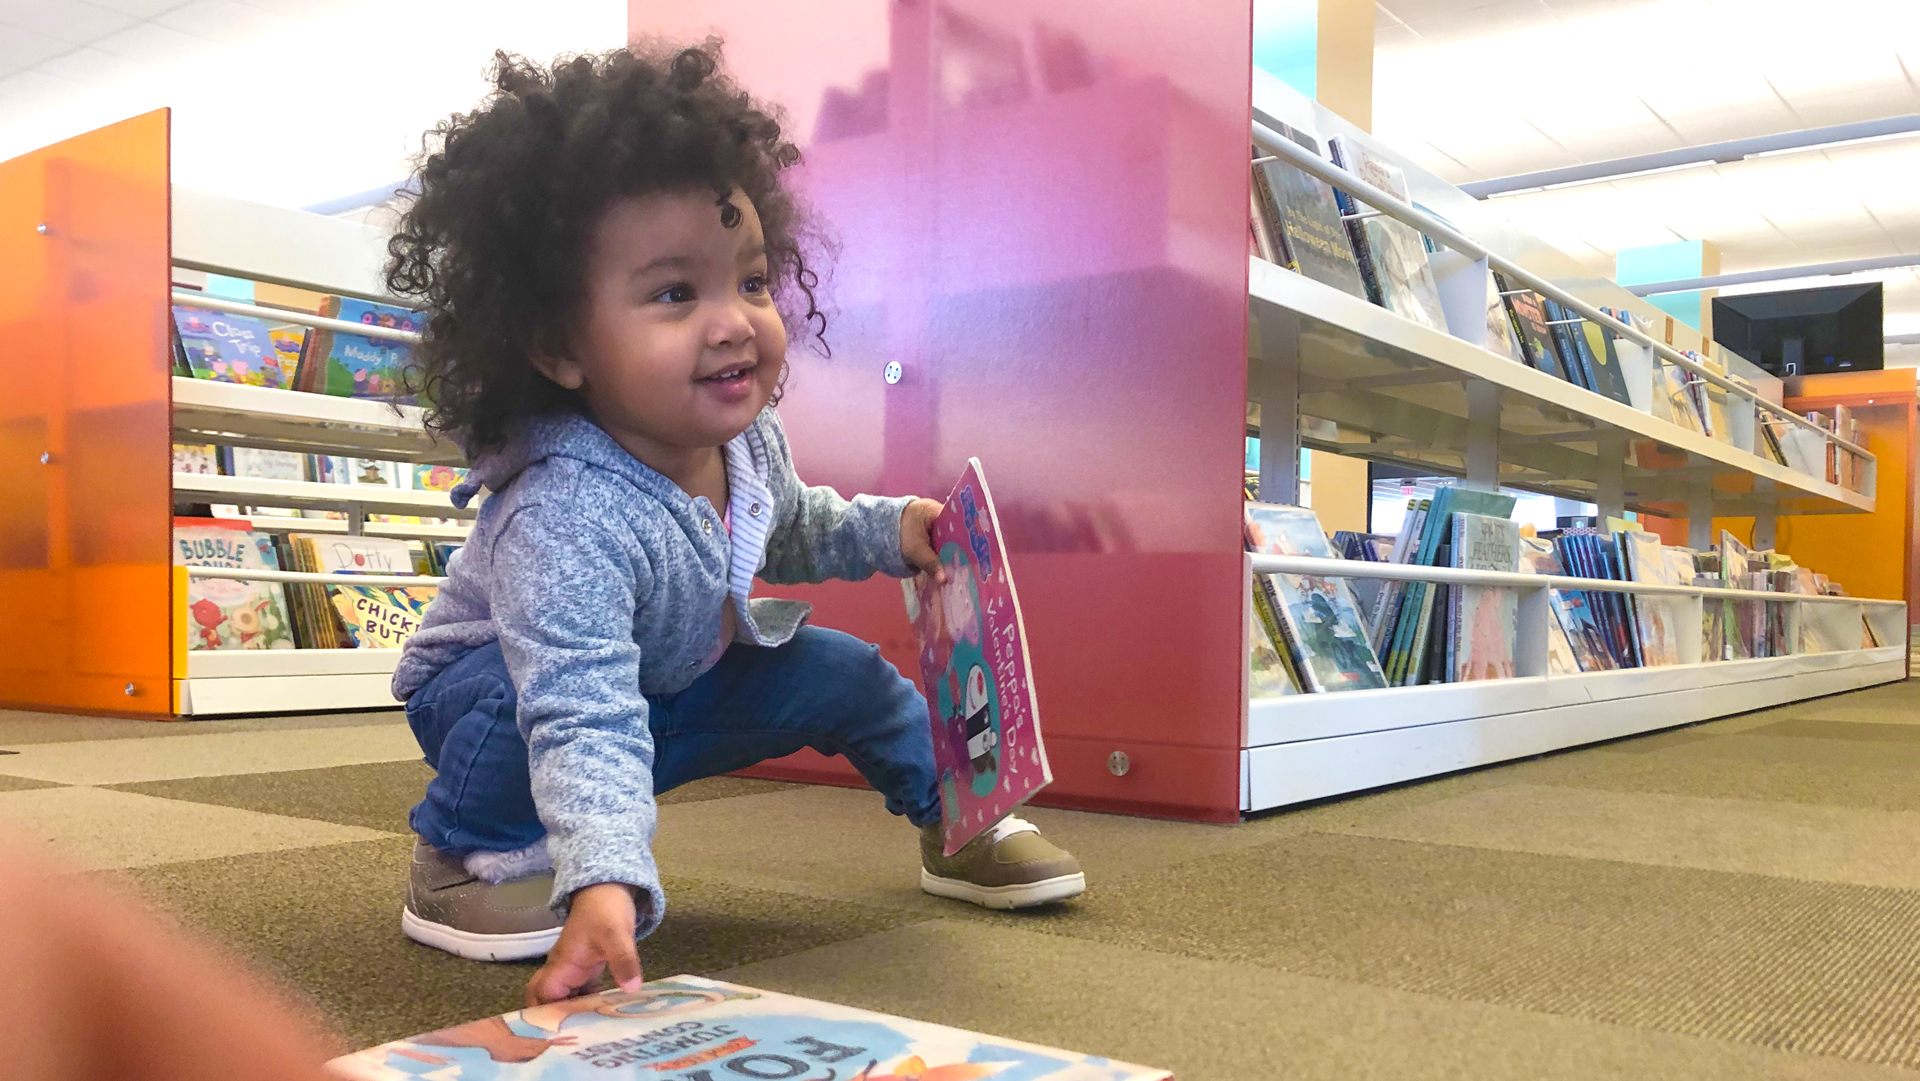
(1836, 328)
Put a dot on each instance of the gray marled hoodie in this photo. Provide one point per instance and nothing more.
(603, 581)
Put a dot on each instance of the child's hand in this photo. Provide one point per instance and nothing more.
(916, 538)
(598, 934)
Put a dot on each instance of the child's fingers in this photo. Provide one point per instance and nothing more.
(623, 962)
(560, 977)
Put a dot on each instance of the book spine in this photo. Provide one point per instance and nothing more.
(1290, 654)
(1266, 223)
(1356, 233)
(1264, 599)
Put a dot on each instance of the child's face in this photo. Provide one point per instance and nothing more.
(679, 345)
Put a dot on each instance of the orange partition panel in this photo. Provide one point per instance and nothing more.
(85, 432)
(1872, 555)
(1040, 213)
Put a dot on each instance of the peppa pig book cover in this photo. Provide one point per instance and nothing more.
(228, 348)
(357, 365)
(974, 669)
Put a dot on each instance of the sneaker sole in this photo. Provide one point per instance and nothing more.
(1023, 895)
(477, 947)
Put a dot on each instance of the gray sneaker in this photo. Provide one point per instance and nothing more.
(449, 909)
(1008, 866)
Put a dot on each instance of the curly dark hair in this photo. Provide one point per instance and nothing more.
(494, 238)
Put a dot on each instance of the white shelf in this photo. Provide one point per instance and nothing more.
(275, 523)
(1466, 725)
(242, 681)
(257, 492)
(235, 415)
(1400, 390)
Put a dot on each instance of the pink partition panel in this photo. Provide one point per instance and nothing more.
(1040, 214)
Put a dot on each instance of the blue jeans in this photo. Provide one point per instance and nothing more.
(824, 689)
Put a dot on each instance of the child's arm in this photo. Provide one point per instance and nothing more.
(565, 616)
(818, 535)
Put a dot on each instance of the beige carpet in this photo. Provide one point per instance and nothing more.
(1739, 899)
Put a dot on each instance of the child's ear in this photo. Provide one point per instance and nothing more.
(562, 371)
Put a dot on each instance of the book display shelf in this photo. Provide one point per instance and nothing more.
(1334, 372)
(89, 436)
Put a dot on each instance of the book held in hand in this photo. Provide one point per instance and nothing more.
(974, 669)
(693, 1029)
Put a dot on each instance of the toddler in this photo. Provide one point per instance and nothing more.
(604, 250)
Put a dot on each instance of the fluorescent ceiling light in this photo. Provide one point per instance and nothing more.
(1608, 179)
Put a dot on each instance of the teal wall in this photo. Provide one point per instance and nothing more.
(1286, 42)
(1664, 263)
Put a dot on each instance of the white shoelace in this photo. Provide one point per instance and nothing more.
(1009, 826)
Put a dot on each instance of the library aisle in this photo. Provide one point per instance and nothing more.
(1734, 899)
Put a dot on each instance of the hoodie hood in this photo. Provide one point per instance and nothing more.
(558, 435)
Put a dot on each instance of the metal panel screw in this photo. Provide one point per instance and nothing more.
(132, 690)
(893, 372)
(46, 457)
(42, 229)
(1118, 763)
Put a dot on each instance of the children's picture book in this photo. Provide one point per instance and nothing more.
(1480, 642)
(227, 348)
(227, 613)
(1392, 256)
(692, 1029)
(1537, 557)
(1566, 341)
(1303, 215)
(1267, 675)
(1500, 337)
(1411, 636)
(196, 458)
(1603, 362)
(1530, 324)
(974, 669)
(1317, 616)
(1643, 559)
(437, 478)
(356, 365)
(380, 617)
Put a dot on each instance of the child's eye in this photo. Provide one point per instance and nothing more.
(675, 294)
(754, 285)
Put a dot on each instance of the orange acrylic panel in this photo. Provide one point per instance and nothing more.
(1038, 212)
(85, 432)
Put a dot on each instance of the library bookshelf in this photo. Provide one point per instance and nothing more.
(88, 438)
(1331, 371)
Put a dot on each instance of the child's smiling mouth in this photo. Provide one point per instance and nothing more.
(732, 383)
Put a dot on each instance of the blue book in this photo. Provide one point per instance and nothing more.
(357, 365)
(227, 348)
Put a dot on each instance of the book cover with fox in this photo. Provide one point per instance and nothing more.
(974, 669)
(691, 1029)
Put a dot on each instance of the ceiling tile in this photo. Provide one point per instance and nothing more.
(92, 67)
(70, 21)
(1382, 17)
(1505, 24)
(1868, 103)
(153, 44)
(39, 88)
(139, 9)
(1391, 41)
(20, 49)
(1717, 124)
(221, 20)
(1409, 10)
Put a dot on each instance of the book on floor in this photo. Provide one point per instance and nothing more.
(974, 669)
(1303, 220)
(227, 613)
(1318, 619)
(692, 1029)
(1481, 630)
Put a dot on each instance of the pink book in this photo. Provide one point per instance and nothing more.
(974, 670)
